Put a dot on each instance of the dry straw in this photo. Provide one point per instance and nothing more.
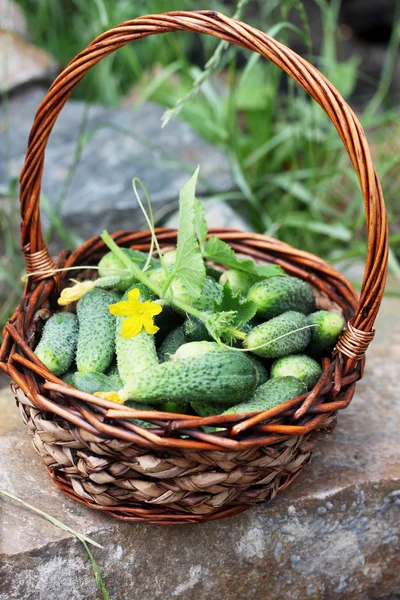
(176, 472)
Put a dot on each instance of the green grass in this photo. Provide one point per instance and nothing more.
(292, 177)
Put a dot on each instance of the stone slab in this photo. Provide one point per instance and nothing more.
(119, 144)
(334, 534)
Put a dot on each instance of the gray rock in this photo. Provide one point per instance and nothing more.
(22, 63)
(12, 17)
(333, 534)
(218, 214)
(118, 144)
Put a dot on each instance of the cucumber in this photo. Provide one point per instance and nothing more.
(224, 377)
(93, 382)
(57, 345)
(213, 272)
(195, 330)
(192, 349)
(113, 374)
(136, 353)
(206, 409)
(238, 280)
(262, 371)
(212, 290)
(170, 257)
(174, 407)
(172, 342)
(96, 339)
(140, 406)
(281, 336)
(277, 295)
(270, 394)
(167, 321)
(330, 326)
(300, 366)
(68, 377)
(159, 277)
(110, 266)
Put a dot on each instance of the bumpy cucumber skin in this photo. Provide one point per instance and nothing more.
(167, 321)
(272, 393)
(113, 374)
(136, 353)
(238, 280)
(172, 342)
(195, 330)
(96, 339)
(277, 295)
(93, 382)
(225, 377)
(211, 291)
(300, 366)
(68, 377)
(192, 349)
(283, 325)
(330, 326)
(57, 346)
(110, 265)
(262, 371)
(159, 277)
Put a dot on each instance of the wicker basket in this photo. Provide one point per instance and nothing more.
(175, 472)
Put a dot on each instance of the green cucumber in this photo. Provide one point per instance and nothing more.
(300, 366)
(270, 394)
(174, 407)
(206, 409)
(172, 342)
(96, 339)
(178, 290)
(137, 353)
(277, 295)
(238, 280)
(113, 374)
(140, 406)
(93, 382)
(212, 291)
(110, 266)
(195, 330)
(192, 349)
(262, 370)
(284, 335)
(57, 345)
(329, 327)
(169, 257)
(225, 377)
(68, 377)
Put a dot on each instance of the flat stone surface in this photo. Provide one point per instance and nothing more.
(119, 144)
(334, 534)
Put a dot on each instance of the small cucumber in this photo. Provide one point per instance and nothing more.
(195, 330)
(140, 406)
(238, 280)
(281, 336)
(262, 371)
(96, 339)
(159, 277)
(174, 407)
(172, 342)
(300, 366)
(192, 349)
(330, 326)
(211, 291)
(136, 353)
(225, 377)
(68, 377)
(93, 382)
(167, 321)
(57, 346)
(270, 394)
(110, 266)
(170, 257)
(277, 295)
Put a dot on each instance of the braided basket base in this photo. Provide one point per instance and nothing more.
(179, 487)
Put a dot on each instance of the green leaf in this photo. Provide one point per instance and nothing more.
(200, 224)
(189, 265)
(233, 302)
(221, 252)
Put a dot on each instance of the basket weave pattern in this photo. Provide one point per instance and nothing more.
(176, 472)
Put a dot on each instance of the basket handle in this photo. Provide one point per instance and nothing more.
(37, 256)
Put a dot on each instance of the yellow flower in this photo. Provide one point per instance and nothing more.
(75, 292)
(117, 397)
(141, 314)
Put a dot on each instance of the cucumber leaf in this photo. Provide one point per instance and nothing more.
(189, 265)
(233, 302)
(200, 224)
(220, 252)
